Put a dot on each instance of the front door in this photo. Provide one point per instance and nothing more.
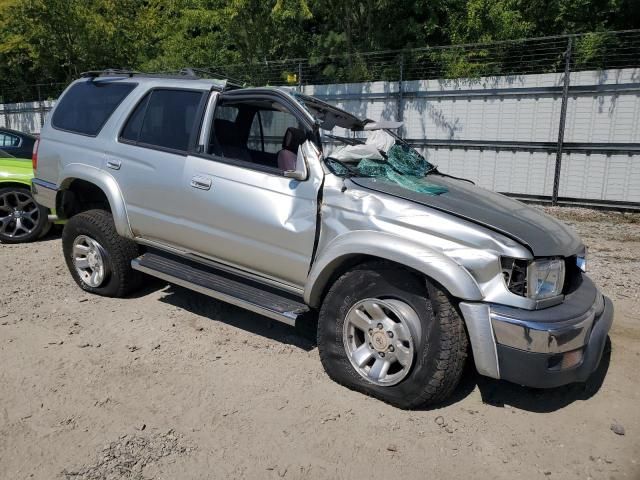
(240, 208)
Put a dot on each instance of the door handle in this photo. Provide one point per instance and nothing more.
(114, 164)
(203, 183)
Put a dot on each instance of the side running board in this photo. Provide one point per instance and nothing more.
(251, 295)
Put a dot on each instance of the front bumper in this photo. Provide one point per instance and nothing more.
(541, 348)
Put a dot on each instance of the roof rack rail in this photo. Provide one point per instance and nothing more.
(108, 72)
(112, 72)
(230, 83)
(183, 74)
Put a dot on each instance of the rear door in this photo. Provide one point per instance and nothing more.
(239, 208)
(149, 158)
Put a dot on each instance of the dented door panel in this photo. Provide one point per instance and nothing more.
(254, 220)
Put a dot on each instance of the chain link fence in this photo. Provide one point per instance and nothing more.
(501, 84)
(591, 51)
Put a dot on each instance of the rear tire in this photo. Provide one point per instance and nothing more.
(434, 355)
(22, 220)
(98, 258)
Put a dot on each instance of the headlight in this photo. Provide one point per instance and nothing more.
(542, 278)
(545, 278)
(581, 261)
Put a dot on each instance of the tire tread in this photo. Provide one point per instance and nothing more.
(452, 348)
(120, 250)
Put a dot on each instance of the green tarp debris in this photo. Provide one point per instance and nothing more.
(404, 166)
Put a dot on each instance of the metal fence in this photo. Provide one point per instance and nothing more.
(563, 82)
(589, 51)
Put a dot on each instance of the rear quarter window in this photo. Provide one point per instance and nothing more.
(87, 106)
(165, 118)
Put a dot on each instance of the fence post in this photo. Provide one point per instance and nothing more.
(40, 107)
(563, 119)
(300, 76)
(4, 110)
(400, 93)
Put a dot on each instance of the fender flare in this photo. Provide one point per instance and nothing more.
(435, 265)
(108, 185)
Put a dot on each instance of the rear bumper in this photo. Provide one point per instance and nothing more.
(541, 348)
(44, 193)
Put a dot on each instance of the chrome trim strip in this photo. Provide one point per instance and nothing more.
(546, 337)
(44, 184)
(289, 317)
(483, 342)
(549, 302)
(221, 266)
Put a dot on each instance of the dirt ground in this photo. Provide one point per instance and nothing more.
(170, 384)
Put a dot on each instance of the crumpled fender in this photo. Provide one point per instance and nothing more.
(452, 276)
(106, 183)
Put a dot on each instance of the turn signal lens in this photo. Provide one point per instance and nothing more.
(34, 155)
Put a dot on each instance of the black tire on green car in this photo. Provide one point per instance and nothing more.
(393, 334)
(22, 220)
(98, 258)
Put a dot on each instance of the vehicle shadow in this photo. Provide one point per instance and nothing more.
(254, 323)
(54, 234)
(495, 393)
(500, 393)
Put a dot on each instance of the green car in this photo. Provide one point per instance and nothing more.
(21, 218)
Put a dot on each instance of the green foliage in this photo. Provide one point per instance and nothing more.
(55, 40)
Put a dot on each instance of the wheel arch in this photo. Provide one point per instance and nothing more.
(85, 187)
(346, 251)
(16, 184)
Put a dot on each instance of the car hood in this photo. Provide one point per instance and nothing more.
(541, 233)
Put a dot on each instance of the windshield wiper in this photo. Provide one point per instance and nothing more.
(350, 171)
(435, 171)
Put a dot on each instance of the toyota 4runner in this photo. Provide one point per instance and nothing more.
(288, 206)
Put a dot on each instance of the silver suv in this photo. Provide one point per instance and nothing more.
(302, 212)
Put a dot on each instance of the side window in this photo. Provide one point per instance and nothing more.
(131, 130)
(261, 132)
(87, 106)
(165, 118)
(8, 140)
(256, 138)
(274, 126)
(227, 112)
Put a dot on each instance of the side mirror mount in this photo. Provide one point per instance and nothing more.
(301, 172)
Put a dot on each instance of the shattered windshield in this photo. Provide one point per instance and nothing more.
(376, 153)
(383, 156)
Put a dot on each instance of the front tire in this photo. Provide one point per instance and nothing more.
(98, 258)
(392, 334)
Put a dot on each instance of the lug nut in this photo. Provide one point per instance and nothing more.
(390, 334)
(370, 331)
(382, 354)
(380, 326)
(391, 349)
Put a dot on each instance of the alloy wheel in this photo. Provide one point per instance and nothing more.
(19, 214)
(89, 260)
(377, 336)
